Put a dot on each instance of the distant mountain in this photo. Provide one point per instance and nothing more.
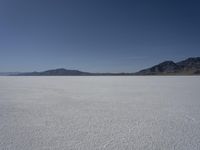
(190, 66)
(66, 72)
(56, 72)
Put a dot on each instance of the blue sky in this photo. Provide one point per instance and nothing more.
(96, 35)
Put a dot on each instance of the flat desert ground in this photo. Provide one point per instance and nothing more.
(96, 113)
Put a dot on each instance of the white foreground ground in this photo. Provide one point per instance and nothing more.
(94, 113)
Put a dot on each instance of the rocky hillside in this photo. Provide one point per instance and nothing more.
(190, 66)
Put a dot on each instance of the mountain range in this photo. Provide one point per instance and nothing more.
(190, 66)
(67, 72)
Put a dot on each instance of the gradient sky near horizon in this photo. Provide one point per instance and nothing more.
(96, 35)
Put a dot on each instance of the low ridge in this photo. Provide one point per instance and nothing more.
(57, 72)
(190, 66)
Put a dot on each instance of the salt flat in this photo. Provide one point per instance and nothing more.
(94, 113)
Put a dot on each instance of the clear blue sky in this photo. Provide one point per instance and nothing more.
(96, 35)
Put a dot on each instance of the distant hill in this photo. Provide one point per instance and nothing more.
(190, 66)
(67, 72)
(56, 72)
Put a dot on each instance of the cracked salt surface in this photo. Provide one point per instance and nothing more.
(95, 113)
